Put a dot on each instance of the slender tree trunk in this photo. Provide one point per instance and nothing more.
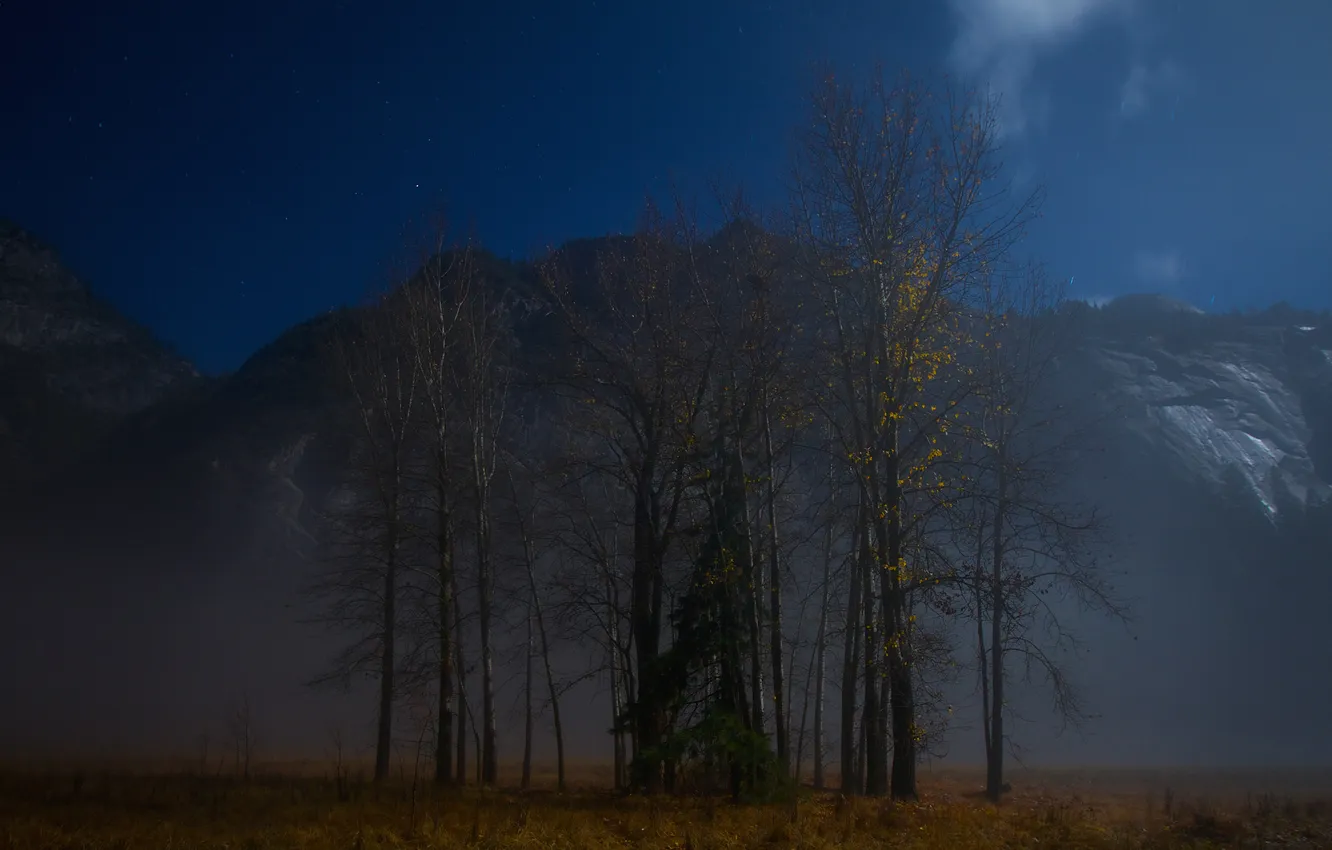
(526, 781)
(476, 736)
(484, 584)
(994, 768)
(875, 746)
(851, 675)
(616, 683)
(775, 603)
(388, 658)
(797, 762)
(982, 654)
(444, 544)
(645, 618)
(861, 760)
(820, 657)
(754, 587)
(538, 617)
(902, 701)
(463, 710)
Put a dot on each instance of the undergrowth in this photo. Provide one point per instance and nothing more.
(104, 812)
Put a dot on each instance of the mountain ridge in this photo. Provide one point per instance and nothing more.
(1214, 464)
(71, 366)
(1252, 392)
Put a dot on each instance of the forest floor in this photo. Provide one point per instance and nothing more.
(96, 809)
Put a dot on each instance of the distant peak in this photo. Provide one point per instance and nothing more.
(1151, 303)
(12, 233)
(29, 264)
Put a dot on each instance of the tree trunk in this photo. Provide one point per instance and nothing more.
(902, 701)
(645, 618)
(484, 583)
(820, 655)
(754, 584)
(850, 676)
(526, 781)
(876, 749)
(616, 683)
(994, 767)
(798, 759)
(538, 616)
(476, 735)
(982, 654)
(388, 659)
(444, 543)
(775, 604)
(860, 758)
(462, 690)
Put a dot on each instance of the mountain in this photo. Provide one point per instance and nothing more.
(71, 367)
(1213, 465)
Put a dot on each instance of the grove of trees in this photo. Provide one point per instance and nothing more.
(778, 481)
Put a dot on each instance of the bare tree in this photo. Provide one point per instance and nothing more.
(851, 648)
(435, 302)
(363, 584)
(634, 358)
(484, 384)
(896, 216)
(538, 640)
(588, 529)
(821, 636)
(528, 653)
(1034, 543)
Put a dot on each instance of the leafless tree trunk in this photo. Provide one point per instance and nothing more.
(526, 781)
(484, 389)
(525, 516)
(484, 581)
(617, 685)
(753, 579)
(435, 300)
(461, 671)
(775, 595)
(444, 728)
(821, 638)
(382, 380)
(850, 782)
(871, 712)
(994, 758)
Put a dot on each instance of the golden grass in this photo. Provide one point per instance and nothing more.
(1088, 809)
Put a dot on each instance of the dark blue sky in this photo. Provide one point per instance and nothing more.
(220, 171)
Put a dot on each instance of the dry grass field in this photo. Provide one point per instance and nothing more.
(99, 808)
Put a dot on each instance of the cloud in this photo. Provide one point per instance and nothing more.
(999, 41)
(1145, 84)
(1133, 94)
(1162, 268)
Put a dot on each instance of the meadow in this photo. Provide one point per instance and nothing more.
(105, 807)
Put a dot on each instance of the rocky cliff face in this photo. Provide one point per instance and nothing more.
(1237, 405)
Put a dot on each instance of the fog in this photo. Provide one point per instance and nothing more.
(1224, 662)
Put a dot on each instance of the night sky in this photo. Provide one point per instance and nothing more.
(220, 171)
